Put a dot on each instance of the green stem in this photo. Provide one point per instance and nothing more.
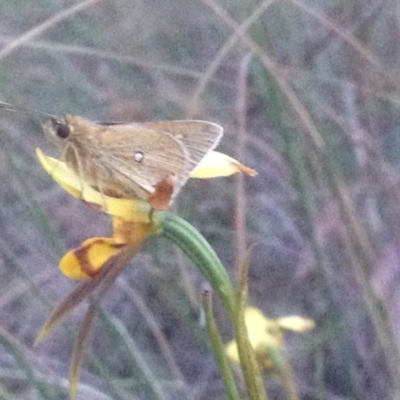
(219, 348)
(286, 375)
(248, 362)
(196, 247)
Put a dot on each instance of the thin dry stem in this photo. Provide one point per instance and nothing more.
(111, 56)
(348, 38)
(79, 351)
(155, 329)
(45, 26)
(240, 209)
(297, 105)
(224, 51)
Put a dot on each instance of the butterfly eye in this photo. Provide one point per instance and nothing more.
(62, 130)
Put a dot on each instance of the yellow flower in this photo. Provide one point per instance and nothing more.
(131, 223)
(266, 335)
(213, 165)
(99, 260)
(131, 217)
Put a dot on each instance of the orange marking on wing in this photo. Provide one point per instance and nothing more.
(160, 199)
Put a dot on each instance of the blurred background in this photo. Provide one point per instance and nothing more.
(308, 95)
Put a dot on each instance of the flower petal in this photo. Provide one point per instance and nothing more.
(256, 321)
(216, 164)
(127, 209)
(62, 175)
(86, 261)
(131, 233)
(232, 351)
(266, 335)
(213, 165)
(296, 324)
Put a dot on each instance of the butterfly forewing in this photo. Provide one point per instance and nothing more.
(140, 156)
(197, 138)
(170, 149)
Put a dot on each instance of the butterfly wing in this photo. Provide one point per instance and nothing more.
(141, 155)
(130, 160)
(137, 159)
(196, 138)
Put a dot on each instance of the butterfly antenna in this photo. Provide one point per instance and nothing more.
(15, 108)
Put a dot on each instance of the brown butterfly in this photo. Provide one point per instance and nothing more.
(130, 160)
(150, 161)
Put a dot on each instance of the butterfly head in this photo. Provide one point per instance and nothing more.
(58, 131)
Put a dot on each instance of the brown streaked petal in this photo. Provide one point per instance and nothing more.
(87, 260)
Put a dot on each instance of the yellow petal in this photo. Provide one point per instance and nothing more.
(255, 320)
(266, 335)
(131, 233)
(85, 261)
(232, 351)
(61, 174)
(262, 331)
(216, 164)
(261, 352)
(127, 209)
(296, 323)
(213, 165)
